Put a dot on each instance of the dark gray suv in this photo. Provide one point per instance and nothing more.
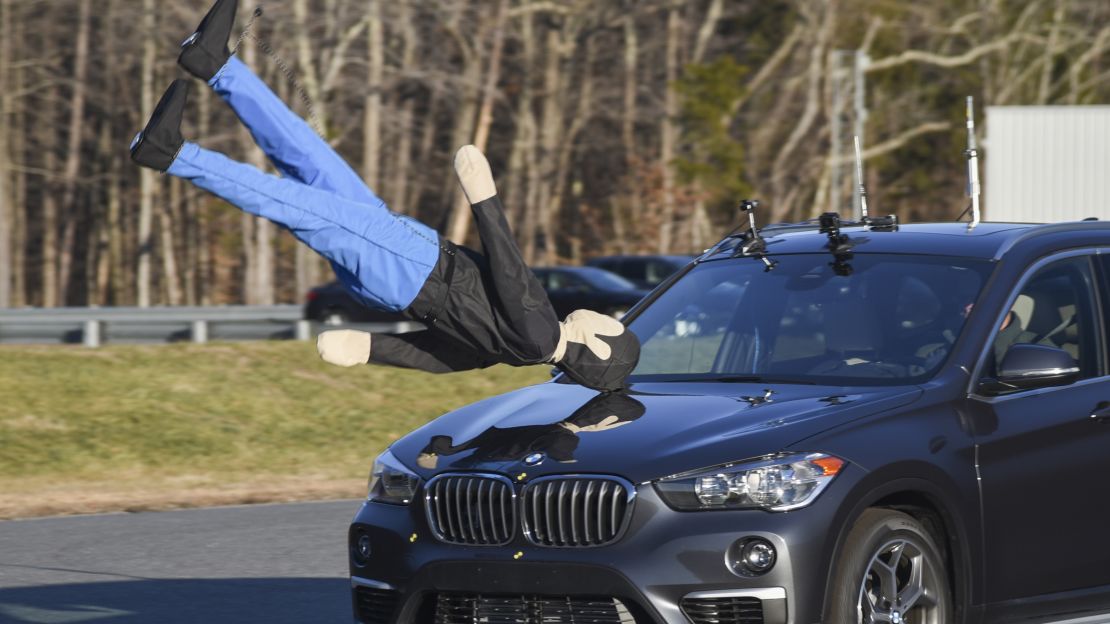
(845, 424)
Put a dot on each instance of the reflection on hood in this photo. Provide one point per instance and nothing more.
(557, 440)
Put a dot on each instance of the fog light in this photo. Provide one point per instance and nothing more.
(360, 549)
(758, 556)
(752, 556)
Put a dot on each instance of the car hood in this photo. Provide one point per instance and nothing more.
(653, 430)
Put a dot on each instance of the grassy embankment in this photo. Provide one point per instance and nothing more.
(155, 427)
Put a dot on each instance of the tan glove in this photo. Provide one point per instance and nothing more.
(610, 422)
(586, 327)
(474, 174)
(344, 347)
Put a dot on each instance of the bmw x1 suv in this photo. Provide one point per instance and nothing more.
(840, 424)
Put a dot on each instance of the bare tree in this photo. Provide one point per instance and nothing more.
(5, 185)
(460, 222)
(147, 179)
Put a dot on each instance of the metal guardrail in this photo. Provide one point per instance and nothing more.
(95, 326)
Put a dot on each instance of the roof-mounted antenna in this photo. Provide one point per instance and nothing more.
(859, 183)
(889, 222)
(972, 154)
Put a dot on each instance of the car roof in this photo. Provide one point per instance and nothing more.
(986, 240)
(575, 269)
(671, 257)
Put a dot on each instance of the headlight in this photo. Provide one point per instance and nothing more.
(391, 482)
(776, 484)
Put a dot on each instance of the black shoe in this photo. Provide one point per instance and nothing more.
(205, 51)
(157, 145)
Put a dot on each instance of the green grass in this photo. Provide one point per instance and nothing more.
(215, 413)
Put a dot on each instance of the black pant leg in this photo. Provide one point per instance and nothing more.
(531, 325)
(427, 351)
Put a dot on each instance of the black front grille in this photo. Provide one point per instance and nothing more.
(471, 509)
(576, 511)
(524, 609)
(375, 606)
(723, 610)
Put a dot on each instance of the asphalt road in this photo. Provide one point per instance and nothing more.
(272, 564)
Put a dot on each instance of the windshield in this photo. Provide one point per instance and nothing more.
(891, 321)
(603, 280)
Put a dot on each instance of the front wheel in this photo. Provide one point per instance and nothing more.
(890, 570)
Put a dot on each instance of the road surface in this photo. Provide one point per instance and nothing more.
(272, 564)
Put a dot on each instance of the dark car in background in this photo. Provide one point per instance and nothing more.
(646, 272)
(588, 288)
(913, 431)
(331, 304)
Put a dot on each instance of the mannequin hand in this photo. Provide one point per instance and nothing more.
(344, 347)
(587, 327)
(474, 174)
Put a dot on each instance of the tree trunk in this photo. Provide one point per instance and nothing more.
(307, 263)
(5, 185)
(631, 85)
(1051, 49)
(399, 186)
(466, 106)
(425, 148)
(166, 228)
(49, 260)
(668, 133)
(821, 20)
(566, 145)
(73, 146)
(460, 223)
(113, 277)
(98, 274)
(147, 179)
(205, 278)
(524, 139)
(259, 275)
(699, 220)
(550, 135)
(189, 232)
(372, 113)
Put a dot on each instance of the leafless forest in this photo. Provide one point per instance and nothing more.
(613, 125)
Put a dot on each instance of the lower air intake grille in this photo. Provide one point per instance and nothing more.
(375, 606)
(476, 510)
(576, 511)
(723, 610)
(519, 609)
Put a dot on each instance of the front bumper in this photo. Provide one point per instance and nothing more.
(665, 557)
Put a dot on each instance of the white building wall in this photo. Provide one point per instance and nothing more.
(1047, 163)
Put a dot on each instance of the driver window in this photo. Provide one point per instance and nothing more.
(1055, 308)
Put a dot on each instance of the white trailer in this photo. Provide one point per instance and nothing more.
(1047, 163)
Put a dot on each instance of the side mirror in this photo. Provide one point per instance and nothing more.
(1028, 366)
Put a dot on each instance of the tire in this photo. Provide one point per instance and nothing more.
(889, 549)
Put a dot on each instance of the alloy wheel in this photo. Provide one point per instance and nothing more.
(899, 586)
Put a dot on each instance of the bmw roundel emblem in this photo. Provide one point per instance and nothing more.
(533, 459)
